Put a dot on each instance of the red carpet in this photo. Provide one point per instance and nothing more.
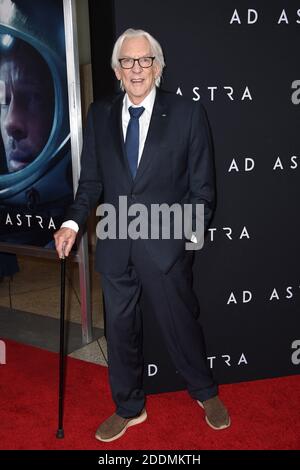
(265, 414)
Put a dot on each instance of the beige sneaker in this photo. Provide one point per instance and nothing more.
(216, 414)
(115, 426)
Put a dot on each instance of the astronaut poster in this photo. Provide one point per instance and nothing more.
(35, 158)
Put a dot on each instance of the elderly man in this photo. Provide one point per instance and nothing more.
(152, 147)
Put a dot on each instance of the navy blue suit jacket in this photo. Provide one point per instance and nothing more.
(176, 167)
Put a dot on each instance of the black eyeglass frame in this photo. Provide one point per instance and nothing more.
(138, 61)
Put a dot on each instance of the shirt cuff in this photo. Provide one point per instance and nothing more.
(70, 224)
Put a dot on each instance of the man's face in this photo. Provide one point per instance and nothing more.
(138, 81)
(26, 109)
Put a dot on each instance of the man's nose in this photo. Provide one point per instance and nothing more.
(15, 121)
(137, 68)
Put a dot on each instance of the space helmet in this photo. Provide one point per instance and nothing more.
(48, 177)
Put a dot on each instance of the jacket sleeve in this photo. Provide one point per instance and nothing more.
(201, 165)
(90, 186)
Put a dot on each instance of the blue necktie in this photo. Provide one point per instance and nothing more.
(133, 137)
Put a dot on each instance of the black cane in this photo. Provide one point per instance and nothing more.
(60, 431)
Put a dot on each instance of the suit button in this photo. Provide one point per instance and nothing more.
(133, 197)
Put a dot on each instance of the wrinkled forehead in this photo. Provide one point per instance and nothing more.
(137, 46)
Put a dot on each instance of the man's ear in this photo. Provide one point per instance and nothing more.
(157, 71)
(117, 73)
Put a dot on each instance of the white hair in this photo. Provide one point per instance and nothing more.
(156, 50)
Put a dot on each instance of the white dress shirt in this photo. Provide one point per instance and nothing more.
(144, 122)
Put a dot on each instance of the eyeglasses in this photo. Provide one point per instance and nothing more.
(144, 62)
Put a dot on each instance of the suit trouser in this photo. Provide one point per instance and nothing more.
(175, 306)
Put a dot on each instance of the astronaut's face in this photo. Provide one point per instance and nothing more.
(27, 106)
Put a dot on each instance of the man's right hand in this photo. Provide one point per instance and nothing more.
(64, 240)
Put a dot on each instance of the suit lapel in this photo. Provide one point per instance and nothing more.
(154, 138)
(116, 129)
(155, 135)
